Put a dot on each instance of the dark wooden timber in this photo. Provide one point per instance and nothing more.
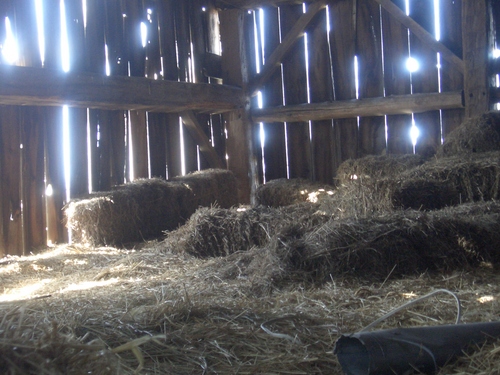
(397, 104)
(238, 126)
(370, 74)
(253, 4)
(43, 87)
(451, 80)
(475, 29)
(295, 92)
(321, 90)
(342, 50)
(397, 79)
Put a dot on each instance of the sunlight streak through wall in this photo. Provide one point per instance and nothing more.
(64, 39)
(10, 50)
(40, 29)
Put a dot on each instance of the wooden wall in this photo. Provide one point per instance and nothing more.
(365, 31)
(183, 44)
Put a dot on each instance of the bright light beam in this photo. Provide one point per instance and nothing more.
(10, 50)
(64, 39)
(40, 29)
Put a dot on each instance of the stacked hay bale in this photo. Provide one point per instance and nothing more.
(376, 167)
(466, 169)
(208, 187)
(474, 135)
(145, 208)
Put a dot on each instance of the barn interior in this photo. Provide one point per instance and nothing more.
(229, 186)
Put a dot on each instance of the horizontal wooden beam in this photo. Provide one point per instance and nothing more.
(253, 4)
(44, 87)
(422, 34)
(390, 105)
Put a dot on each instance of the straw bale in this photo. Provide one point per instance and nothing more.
(377, 166)
(474, 135)
(475, 177)
(212, 232)
(209, 187)
(284, 192)
(129, 213)
(435, 184)
(393, 244)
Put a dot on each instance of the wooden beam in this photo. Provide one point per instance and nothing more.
(423, 34)
(281, 51)
(252, 4)
(475, 30)
(44, 87)
(193, 126)
(397, 104)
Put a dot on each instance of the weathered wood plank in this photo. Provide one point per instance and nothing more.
(282, 50)
(274, 148)
(370, 74)
(321, 90)
(10, 164)
(451, 80)
(475, 33)
(389, 105)
(44, 87)
(253, 4)
(425, 79)
(54, 169)
(295, 92)
(139, 144)
(33, 177)
(195, 130)
(157, 126)
(396, 79)
(343, 41)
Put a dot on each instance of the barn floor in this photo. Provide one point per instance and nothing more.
(78, 310)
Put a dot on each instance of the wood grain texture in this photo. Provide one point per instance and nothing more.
(44, 87)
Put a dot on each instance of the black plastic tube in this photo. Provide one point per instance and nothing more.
(401, 350)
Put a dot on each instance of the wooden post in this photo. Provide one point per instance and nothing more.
(238, 125)
(475, 35)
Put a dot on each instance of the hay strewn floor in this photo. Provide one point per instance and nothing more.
(75, 310)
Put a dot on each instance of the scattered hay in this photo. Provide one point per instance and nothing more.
(129, 213)
(474, 135)
(161, 313)
(377, 167)
(284, 192)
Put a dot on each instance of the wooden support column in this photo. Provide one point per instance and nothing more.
(475, 35)
(238, 125)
